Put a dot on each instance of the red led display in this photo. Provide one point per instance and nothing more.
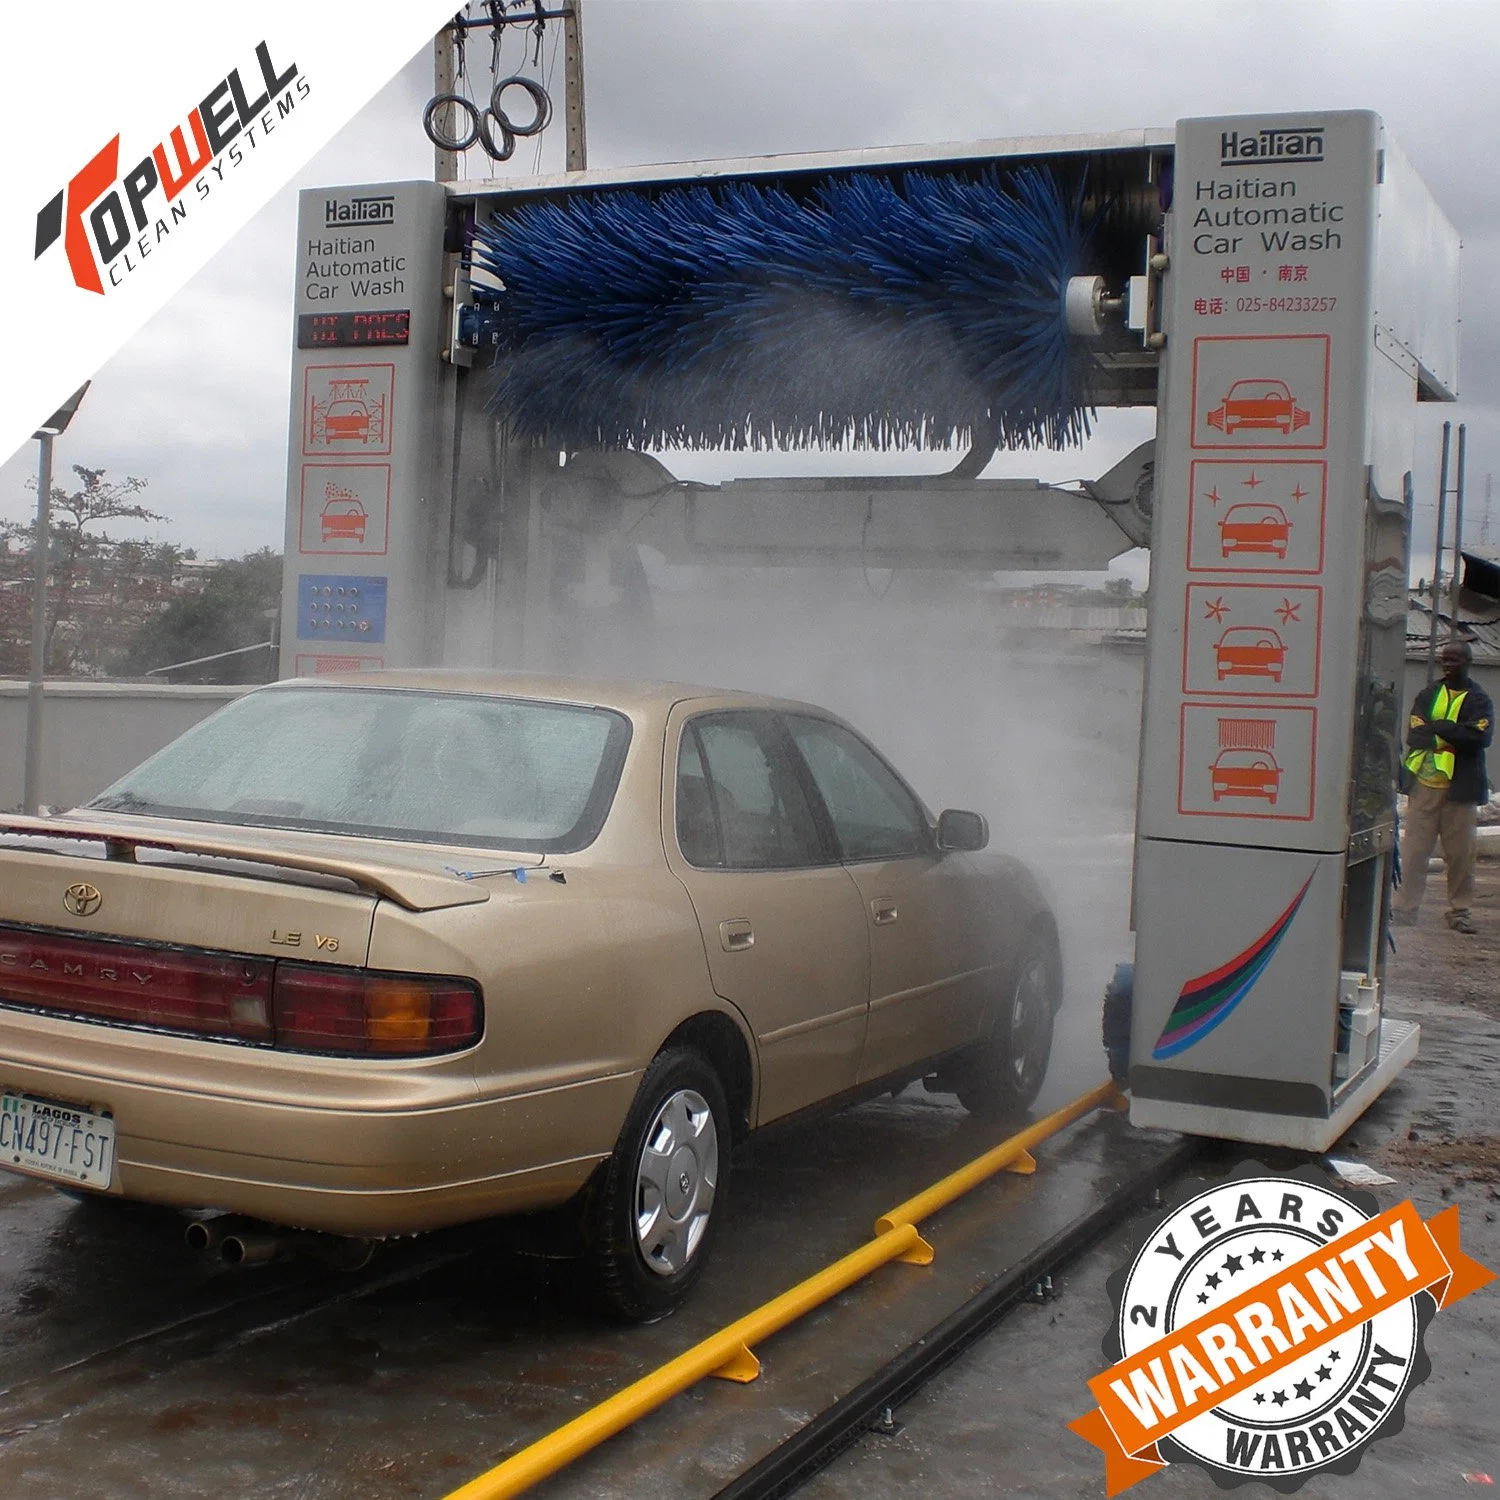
(349, 330)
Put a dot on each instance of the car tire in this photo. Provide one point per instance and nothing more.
(656, 1204)
(1002, 1075)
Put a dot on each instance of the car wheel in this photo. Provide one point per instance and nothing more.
(1004, 1073)
(659, 1198)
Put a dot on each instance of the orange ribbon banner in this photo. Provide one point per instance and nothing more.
(1292, 1312)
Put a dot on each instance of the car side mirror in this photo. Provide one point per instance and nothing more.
(962, 830)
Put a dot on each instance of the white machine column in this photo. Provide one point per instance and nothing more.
(1272, 715)
(367, 380)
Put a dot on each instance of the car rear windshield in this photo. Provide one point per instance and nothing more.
(514, 773)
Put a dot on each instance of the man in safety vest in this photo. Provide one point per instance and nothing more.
(1452, 722)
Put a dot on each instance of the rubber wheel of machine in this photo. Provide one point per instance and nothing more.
(651, 1217)
(1004, 1073)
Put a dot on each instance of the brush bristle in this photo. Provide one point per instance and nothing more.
(880, 312)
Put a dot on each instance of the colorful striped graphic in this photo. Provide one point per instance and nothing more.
(1208, 999)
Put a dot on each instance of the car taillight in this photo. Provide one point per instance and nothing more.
(355, 1013)
(296, 1007)
(134, 984)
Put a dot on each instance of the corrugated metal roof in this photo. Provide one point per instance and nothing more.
(1481, 631)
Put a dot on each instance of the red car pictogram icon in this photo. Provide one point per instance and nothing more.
(1250, 651)
(1253, 527)
(343, 518)
(1246, 773)
(1259, 405)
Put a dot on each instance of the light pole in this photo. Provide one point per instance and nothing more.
(53, 427)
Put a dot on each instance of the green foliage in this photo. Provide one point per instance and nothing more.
(100, 588)
(230, 611)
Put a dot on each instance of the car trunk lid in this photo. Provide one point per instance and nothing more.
(190, 931)
(417, 877)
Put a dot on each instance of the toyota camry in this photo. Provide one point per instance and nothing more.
(378, 954)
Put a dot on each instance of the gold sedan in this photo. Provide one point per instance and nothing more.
(377, 954)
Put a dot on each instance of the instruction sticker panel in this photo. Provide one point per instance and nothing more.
(345, 508)
(347, 409)
(1252, 638)
(1265, 516)
(322, 666)
(1261, 391)
(1243, 761)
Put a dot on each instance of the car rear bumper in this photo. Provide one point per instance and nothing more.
(347, 1169)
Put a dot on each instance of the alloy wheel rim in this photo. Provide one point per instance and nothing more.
(675, 1182)
(1028, 1021)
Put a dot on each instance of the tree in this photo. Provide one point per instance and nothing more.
(233, 609)
(100, 588)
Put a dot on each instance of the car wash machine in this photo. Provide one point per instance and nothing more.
(482, 371)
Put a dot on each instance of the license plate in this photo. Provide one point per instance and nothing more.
(56, 1140)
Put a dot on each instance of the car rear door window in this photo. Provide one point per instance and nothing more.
(740, 805)
(872, 812)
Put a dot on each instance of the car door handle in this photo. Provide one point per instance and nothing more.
(736, 934)
(883, 909)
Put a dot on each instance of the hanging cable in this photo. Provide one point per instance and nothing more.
(536, 165)
(538, 30)
(454, 122)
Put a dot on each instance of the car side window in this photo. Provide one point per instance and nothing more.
(740, 805)
(697, 825)
(873, 814)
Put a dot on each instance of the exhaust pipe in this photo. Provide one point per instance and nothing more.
(243, 1241)
(252, 1246)
(210, 1234)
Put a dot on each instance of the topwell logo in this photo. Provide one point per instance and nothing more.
(1285, 146)
(101, 216)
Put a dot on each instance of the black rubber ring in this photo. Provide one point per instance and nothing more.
(539, 97)
(507, 135)
(450, 143)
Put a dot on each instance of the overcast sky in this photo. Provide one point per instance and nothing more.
(197, 402)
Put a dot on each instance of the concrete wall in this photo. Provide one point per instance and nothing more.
(1486, 676)
(93, 732)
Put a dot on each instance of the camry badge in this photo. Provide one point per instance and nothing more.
(83, 899)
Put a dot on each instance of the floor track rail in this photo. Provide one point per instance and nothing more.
(817, 1444)
(729, 1353)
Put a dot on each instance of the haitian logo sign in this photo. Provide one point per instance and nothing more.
(102, 217)
(1270, 1328)
(1285, 145)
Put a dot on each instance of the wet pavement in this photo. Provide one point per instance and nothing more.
(994, 1424)
(134, 1370)
(132, 1366)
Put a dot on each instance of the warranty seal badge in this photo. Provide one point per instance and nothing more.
(1270, 1328)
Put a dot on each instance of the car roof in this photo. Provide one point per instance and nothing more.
(628, 695)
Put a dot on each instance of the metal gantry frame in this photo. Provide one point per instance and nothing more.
(1292, 295)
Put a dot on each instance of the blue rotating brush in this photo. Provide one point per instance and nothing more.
(910, 310)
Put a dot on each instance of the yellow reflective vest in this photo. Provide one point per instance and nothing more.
(1434, 767)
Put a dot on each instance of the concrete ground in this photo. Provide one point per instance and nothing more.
(129, 1367)
(995, 1423)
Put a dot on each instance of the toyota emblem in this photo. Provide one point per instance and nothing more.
(83, 899)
